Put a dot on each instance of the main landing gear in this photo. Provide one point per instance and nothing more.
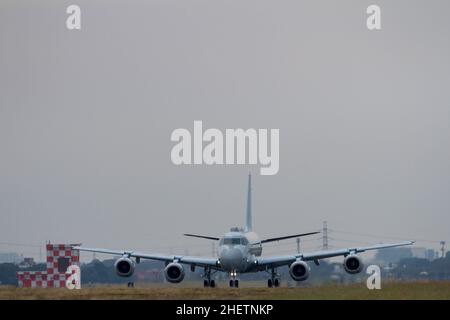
(234, 282)
(273, 281)
(208, 282)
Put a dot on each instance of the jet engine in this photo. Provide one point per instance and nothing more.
(124, 267)
(299, 270)
(174, 272)
(353, 264)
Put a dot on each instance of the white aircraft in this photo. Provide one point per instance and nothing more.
(240, 252)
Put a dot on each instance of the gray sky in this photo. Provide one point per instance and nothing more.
(86, 118)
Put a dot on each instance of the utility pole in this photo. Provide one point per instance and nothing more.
(325, 236)
(443, 249)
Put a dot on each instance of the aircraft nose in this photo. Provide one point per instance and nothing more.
(231, 258)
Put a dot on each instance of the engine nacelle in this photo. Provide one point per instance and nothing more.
(353, 264)
(299, 270)
(174, 272)
(124, 267)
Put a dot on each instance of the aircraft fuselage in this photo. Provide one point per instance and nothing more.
(238, 250)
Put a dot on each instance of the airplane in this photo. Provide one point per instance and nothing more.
(240, 251)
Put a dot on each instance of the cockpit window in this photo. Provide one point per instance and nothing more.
(235, 241)
(230, 241)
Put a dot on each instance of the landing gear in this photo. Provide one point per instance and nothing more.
(130, 284)
(273, 281)
(208, 282)
(234, 282)
(276, 282)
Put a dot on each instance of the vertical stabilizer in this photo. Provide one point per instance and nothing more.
(248, 215)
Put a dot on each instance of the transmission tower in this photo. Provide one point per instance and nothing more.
(298, 245)
(325, 236)
(443, 249)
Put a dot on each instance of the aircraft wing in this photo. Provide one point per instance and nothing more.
(289, 237)
(277, 261)
(198, 261)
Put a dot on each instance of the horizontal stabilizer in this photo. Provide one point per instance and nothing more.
(200, 236)
(289, 237)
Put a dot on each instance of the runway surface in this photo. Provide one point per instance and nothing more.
(392, 290)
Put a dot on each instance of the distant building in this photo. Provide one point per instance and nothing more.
(430, 254)
(423, 253)
(10, 257)
(419, 252)
(150, 275)
(27, 263)
(392, 255)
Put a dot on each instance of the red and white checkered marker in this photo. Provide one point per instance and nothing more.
(59, 258)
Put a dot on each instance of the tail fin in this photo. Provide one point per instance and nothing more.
(248, 216)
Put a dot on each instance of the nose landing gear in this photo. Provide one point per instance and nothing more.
(234, 282)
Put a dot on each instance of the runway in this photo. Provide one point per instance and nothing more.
(391, 290)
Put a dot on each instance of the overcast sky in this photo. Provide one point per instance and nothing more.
(86, 118)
